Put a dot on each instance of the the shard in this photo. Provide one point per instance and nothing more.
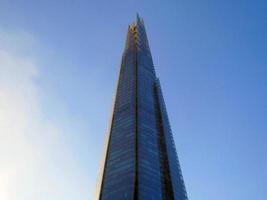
(140, 160)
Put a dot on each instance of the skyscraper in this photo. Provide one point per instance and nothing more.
(140, 160)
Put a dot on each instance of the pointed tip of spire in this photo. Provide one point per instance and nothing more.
(137, 16)
(139, 20)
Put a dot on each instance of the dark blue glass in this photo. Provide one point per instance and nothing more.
(141, 160)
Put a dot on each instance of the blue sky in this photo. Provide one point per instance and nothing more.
(59, 62)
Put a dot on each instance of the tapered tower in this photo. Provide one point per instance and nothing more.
(140, 160)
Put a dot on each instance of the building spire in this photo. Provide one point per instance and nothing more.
(137, 16)
(140, 160)
(139, 20)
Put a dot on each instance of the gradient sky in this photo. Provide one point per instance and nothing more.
(58, 65)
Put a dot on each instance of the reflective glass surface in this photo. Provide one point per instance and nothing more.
(141, 160)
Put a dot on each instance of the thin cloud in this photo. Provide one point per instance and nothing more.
(35, 161)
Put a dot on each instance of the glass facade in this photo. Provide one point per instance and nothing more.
(140, 161)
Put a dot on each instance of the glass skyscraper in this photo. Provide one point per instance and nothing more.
(140, 160)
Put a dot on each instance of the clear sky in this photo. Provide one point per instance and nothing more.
(58, 65)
